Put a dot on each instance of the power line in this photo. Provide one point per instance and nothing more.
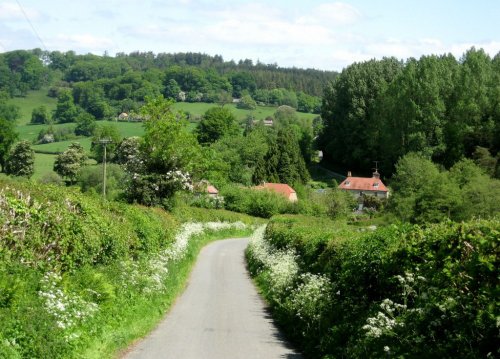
(32, 27)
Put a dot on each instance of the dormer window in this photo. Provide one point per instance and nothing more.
(347, 183)
(375, 184)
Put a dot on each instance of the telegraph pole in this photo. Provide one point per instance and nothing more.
(104, 142)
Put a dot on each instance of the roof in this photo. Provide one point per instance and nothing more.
(281, 188)
(363, 184)
(212, 190)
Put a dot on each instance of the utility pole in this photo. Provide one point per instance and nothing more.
(104, 142)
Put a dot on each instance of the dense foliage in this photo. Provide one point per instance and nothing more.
(21, 160)
(82, 277)
(400, 291)
(424, 194)
(438, 106)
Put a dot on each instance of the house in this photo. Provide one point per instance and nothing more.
(360, 186)
(268, 122)
(280, 188)
(212, 191)
(123, 116)
(204, 187)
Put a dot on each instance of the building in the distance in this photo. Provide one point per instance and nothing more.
(360, 186)
(280, 188)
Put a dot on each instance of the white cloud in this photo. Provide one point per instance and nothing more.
(12, 11)
(80, 42)
(333, 14)
(492, 48)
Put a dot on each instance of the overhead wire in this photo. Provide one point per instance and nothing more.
(31, 25)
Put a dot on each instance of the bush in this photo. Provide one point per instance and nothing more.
(90, 179)
(79, 272)
(401, 291)
(263, 204)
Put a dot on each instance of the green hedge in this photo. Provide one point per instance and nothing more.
(83, 277)
(402, 291)
(56, 228)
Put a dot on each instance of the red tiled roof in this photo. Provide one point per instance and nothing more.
(281, 188)
(363, 184)
(212, 190)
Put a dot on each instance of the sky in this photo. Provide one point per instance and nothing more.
(320, 34)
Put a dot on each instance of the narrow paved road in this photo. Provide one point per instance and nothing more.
(220, 315)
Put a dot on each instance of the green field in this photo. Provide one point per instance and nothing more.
(44, 161)
(197, 109)
(44, 164)
(33, 100)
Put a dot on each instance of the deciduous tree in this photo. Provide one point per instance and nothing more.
(216, 123)
(68, 163)
(21, 160)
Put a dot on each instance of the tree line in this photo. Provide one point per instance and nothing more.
(438, 106)
(105, 86)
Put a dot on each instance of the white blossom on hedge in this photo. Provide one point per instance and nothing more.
(68, 309)
(312, 297)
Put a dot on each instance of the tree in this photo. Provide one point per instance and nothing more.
(128, 154)
(216, 123)
(224, 98)
(8, 136)
(480, 193)
(68, 163)
(424, 194)
(90, 179)
(473, 105)
(8, 111)
(483, 158)
(40, 115)
(109, 132)
(247, 103)
(172, 90)
(412, 113)
(339, 203)
(170, 154)
(85, 124)
(21, 160)
(242, 81)
(351, 134)
(66, 111)
(283, 162)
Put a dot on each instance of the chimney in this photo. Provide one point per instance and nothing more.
(349, 174)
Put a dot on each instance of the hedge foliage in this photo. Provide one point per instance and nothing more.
(400, 291)
(82, 277)
(56, 228)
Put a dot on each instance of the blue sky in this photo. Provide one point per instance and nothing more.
(326, 35)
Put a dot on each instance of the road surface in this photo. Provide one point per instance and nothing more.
(219, 315)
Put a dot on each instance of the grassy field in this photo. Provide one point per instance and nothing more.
(33, 100)
(45, 161)
(44, 164)
(261, 112)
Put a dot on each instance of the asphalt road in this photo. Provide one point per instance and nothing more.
(219, 315)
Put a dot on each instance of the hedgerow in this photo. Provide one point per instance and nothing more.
(82, 277)
(402, 291)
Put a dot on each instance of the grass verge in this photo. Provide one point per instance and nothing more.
(142, 316)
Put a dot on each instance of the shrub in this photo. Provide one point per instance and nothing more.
(90, 179)
(401, 291)
(263, 204)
